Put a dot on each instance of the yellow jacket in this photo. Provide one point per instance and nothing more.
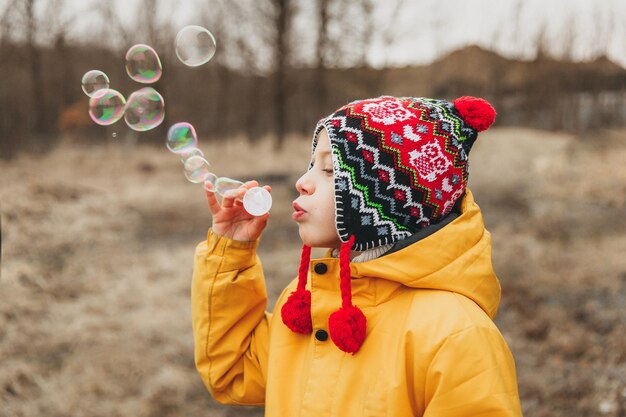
(431, 348)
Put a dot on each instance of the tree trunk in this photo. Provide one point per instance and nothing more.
(279, 73)
(34, 59)
(319, 89)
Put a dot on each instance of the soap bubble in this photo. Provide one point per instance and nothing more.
(181, 137)
(145, 109)
(106, 106)
(197, 169)
(93, 81)
(224, 185)
(257, 201)
(195, 45)
(209, 184)
(189, 153)
(210, 179)
(143, 64)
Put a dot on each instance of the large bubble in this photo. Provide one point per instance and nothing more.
(106, 106)
(93, 81)
(195, 45)
(145, 109)
(143, 64)
(181, 137)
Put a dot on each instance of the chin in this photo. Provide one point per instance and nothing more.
(314, 241)
(307, 240)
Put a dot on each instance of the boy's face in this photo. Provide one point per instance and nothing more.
(315, 208)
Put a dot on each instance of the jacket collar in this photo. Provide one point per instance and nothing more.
(455, 258)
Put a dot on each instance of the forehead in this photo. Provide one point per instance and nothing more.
(323, 143)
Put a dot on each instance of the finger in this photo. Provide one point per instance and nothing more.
(230, 196)
(240, 193)
(251, 184)
(228, 200)
(261, 221)
(214, 205)
(268, 188)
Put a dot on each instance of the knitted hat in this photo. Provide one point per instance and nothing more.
(400, 164)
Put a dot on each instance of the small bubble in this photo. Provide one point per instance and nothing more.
(106, 106)
(143, 64)
(145, 109)
(195, 45)
(93, 81)
(197, 169)
(181, 138)
(114, 134)
(189, 153)
(223, 185)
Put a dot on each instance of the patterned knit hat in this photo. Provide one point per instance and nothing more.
(400, 164)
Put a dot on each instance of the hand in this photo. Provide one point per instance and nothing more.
(230, 219)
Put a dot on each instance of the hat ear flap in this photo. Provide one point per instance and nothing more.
(476, 112)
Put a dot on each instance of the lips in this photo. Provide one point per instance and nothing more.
(298, 211)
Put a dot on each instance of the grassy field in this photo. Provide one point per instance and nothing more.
(98, 242)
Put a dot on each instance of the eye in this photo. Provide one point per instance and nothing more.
(328, 170)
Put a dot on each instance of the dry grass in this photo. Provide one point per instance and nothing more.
(98, 244)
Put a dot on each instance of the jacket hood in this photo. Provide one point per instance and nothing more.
(456, 258)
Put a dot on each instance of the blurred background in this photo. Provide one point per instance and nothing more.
(99, 224)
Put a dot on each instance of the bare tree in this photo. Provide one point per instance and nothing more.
(113, 24)
(230, 101)
(34, 57)
(320, 98)
(281, 9)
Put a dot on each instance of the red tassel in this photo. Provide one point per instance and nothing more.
(347, 325)
(476, 112)
(296, 312)
(347, 328)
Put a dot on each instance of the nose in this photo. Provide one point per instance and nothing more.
(304, 185)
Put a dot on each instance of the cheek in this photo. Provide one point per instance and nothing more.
(329, 202)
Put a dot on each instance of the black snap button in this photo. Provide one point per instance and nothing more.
(321, 335)
(320, 268)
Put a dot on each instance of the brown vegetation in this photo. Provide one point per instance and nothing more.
(97, 253)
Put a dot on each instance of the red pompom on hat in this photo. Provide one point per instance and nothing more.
(476, 112)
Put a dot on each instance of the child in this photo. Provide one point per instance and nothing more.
(396, 319)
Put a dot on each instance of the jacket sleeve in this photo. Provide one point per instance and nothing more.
(472, 374)
(230, 324)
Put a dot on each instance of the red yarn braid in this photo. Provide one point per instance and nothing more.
(344, 272)
(305, 258)
(296, 312)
